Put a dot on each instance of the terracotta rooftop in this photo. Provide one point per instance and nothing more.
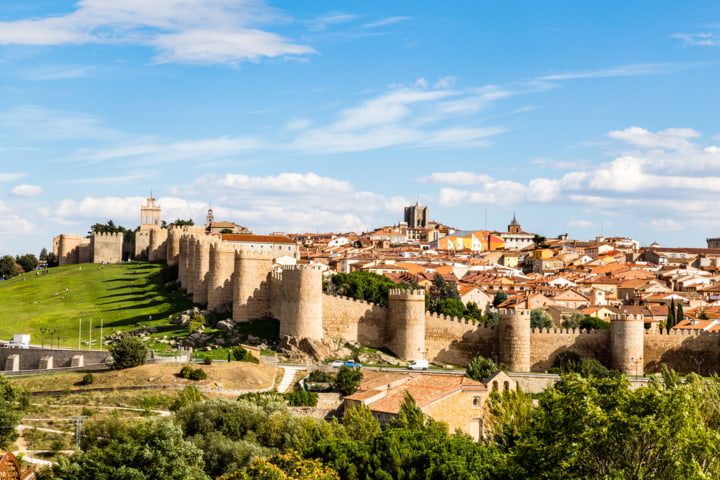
(236, 237)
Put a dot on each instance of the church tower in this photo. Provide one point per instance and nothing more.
(514, 226)
(416, 216)
(150, 215)
(210, 219)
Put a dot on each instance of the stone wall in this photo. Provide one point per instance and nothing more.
(684, 351)
(354, 320)
(157, 249)
(106, 247)
(33, 358)
(73, 249)
(142, 244)
(545, 345)
(457, 341)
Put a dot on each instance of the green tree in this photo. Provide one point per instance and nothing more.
(573, 321)
(680, 314)
(670, 321)
(52, 260)
(363, 286)
(539, 318)
(347, 380)
(492, 319)
(409, 416)
(359, 423)
(473, 312)
(10, 413)
(703, 315)
(594, 323)
(241, 354)
(450, 307)
(285, 466)
(8, 266)
(128, 352)
(28, 262)
(480, 368)
(117, 449)
(499, 298)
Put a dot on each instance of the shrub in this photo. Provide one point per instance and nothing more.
(207, 360)
(88, 379)
(302, 399)
(319, 376)
(198, 374)
(186, 371)
(242, 355)
(128, 352)
(196, 322)
(480, 368)
(347, 380)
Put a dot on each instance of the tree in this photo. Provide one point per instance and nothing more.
(241, 354)
(409, 416)
(8, 266)
(573, 321)
(703, 315)
(359, 423)
(594, 323)
(540, 241)
(347, 380)
(480, 368)
(539, 318)
(110, 227)
(670, 321)
(128, 352)
(451, 307)
(28, 262)
(363, 286)
(499, 298)
(492, 318)
(116, 449)
(178, 223)
(285, 466)
(9, 412)
(680, 314)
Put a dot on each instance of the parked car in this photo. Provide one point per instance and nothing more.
(336, 363)
(418, 365)
(351, 364)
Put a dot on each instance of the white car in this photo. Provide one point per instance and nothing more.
(418, 365)
(336, 364)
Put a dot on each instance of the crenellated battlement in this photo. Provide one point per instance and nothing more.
(680, 332)
(109, 235)
(400, 293)
(566, 331)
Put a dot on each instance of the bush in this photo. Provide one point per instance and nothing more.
(480, 368)
(302, 399)
(186, 371)
(242, 355)
(195, 323)
(87, 379)
(128, 352)
(347, 380)
(198, 374)
(318, 376)
(207, 360)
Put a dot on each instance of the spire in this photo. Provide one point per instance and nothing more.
(514, 220)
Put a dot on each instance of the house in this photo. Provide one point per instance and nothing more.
(460, 402)
(471, 293)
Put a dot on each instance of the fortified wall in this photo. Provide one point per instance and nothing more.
(99, 248)
(232, 277)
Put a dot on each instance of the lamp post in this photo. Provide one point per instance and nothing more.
(636, 363)
(50, 333)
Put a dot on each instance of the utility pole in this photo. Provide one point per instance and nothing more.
(78, 420)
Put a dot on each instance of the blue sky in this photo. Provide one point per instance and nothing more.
(591, 118)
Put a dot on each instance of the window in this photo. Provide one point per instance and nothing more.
(477, 401)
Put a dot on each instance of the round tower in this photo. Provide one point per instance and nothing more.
(301, 302)
(158, 245)
(183, 260)
(627, 340)
(202, 267)
(222, 262)
(514, 339)
(251, 296)
(173, 246)
(406, 323)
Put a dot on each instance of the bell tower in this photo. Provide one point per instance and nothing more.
(150, 215)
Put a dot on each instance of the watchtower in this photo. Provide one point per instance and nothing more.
(627, 339)
(251, 296)
(301, 302)
(406, 323)
(222, 263)
(515, 339)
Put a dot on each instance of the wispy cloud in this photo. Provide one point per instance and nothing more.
(322, 23)
(385, 21)
(706, 39)
(623, 71)
(198, 32)
(26, 191)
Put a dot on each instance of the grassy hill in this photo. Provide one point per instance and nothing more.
(122, 297)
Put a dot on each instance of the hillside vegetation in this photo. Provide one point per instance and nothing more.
(120, 297)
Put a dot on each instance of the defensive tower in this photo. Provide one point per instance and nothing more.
(251, 296)
(222, 263)
(514, 338)
(301, 302)
(406, 330)
(627, 335)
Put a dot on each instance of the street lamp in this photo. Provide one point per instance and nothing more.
(636, 362)
(50, 333)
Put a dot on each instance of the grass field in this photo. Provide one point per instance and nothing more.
(67, 300)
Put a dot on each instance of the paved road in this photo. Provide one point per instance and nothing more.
(288, 375)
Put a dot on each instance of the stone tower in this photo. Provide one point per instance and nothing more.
(514, 338)
(149, 215)
(222, 264)
(201, 269)
(627, 335)
(301, 302)
(406, 323)
(416, 216)
(514, 226)
(251, 295)
(210, 219)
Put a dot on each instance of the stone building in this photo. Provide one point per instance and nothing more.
(416, 216)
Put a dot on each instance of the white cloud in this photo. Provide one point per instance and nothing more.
(10, 177)
(445, 82)
(581, 224)
(662, 225)
(456, 178)
(200, 31)
(26, 191)
(335, 18)
(298, 124)
(698, 39)
(385, 21)
(621, 71)
(671, 138)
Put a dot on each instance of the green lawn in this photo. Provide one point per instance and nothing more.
(121, 297)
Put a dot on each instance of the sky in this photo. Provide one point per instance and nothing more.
(579, 117)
